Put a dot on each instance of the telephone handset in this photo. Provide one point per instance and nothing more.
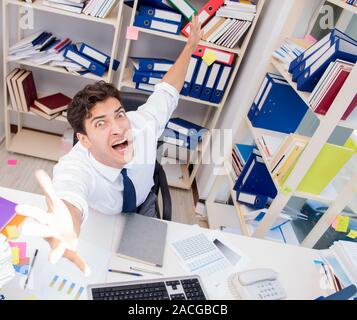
(257, 284)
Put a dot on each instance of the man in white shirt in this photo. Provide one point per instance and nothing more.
(111, 168)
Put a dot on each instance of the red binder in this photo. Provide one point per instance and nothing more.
(222, 56)
(206, 13)
(350, 108)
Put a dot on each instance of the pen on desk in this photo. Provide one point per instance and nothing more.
(145, 270)
(125, 272)
(31, 267)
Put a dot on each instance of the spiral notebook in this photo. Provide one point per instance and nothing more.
(143, 239)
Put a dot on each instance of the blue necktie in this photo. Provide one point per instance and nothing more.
(129, 194)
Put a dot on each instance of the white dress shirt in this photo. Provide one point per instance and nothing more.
(86, 183)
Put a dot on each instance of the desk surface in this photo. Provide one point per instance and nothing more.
(99, 237)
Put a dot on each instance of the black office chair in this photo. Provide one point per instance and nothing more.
(131, 102)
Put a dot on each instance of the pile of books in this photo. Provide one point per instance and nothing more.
(241, 10)
(99, 8)
(51, 106)
(68, 5)
(22, 89)
(155, 18)
(329, 86)
(240, 155)
(7, 271)
(308, 68)
(45, 48)
(180, 140)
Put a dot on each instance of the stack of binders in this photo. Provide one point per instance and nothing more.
(181, 137)
(240, 155)
(158, 19)
(329, 86)
(308, 68)
(277, 106)
(149, 71)
(89, 58)
(67, 5)
(254, 186)
(99, 8)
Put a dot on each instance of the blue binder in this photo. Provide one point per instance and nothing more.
(181, 140)
(157, 24)
(151, 12)
(162, 4)
(211, 78)
(41, 38)
(280, 109)
(186, 128)
(95, 67)
(243, 151)
(255, 201)
(341, 49)
(147, 77)
(198, 81)
(152, 64)
(255, 178)
(221, 84)
(97, 55)
(332, 37)
(190, 75)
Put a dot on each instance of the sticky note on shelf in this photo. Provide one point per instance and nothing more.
(12, 162)
(352, 234)
(334, 223)
(132, 33)
(15, 255)
(12, 232)
(342, 224)
(209, 57)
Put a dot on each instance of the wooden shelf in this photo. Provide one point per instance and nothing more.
(184, 39)
(344, 5)
(59, 118)
(350, 123)
(128, 83)
(60, 70)
(37, 144)
(38, 5)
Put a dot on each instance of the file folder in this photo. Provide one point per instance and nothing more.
(148, 77)
(152, 64)
(97, 55)
(157, 24)
(165, 15)
(72, 54)
(222, 56)
(341, 49)
(184, 7)
(198, 82)
(190, 75)
(280, 108)
(221, 84)
(181, 140)
(210, 81)
(205, 13)
(255, 201)
(329, 38)
(186, 128)
(144, 86)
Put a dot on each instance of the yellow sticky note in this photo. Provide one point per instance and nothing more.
(209, 57)
(33, 297)
(12, 232)
(342, 224)
(15, 255)
(286, 190)
(352, 234)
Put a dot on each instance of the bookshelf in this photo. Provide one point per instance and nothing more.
(209, 120)
(47, 146)
(336, 199)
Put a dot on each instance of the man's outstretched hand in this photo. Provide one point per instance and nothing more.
(56, 225)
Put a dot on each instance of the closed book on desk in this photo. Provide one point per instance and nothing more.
(53, 103)
(143, 239)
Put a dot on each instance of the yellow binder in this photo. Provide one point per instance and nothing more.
(328, 163)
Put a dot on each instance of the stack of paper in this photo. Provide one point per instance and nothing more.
(7, 271)
(68, 5)
(99, 8)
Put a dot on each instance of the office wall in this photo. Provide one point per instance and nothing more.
(270, 32)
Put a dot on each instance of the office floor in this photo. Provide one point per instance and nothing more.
(20, 176)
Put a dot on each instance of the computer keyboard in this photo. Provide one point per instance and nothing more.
(176, 288)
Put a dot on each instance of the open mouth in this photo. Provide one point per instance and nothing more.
(120, 145)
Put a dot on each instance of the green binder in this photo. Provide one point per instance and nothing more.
(328, 163)
(184, 7)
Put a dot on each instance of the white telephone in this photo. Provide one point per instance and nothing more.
(257, 284)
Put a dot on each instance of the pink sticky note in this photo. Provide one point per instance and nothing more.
(132, 33)
(21, 246)
(310, 38)
(12, 162)
(334, 224)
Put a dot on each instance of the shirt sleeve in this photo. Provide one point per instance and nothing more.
(72, 183)
(160, 106)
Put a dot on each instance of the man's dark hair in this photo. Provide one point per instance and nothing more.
(85, 100)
